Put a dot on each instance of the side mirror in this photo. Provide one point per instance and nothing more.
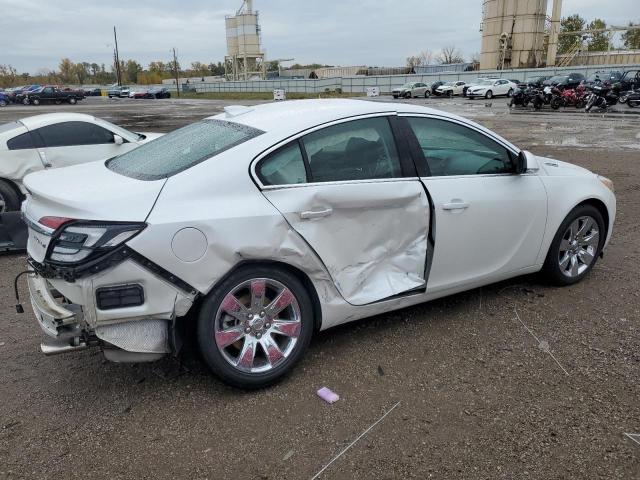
(526, 162)
(118, 140)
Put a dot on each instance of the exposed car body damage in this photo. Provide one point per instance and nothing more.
(398, 217)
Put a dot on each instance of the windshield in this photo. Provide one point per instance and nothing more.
(181, 149)
(558, 78)
(447, 84)
(486, 82)
(407, 85)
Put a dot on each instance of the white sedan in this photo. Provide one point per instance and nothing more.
(56, 140)
(492, 88)
(265, 224)
(449, 89)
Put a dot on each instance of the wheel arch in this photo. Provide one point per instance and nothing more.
(299, 274)
(14, 186)
(602, 208)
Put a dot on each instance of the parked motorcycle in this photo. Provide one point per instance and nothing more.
(524, 95)
(601, 97)
(631, 98)
(569, 97)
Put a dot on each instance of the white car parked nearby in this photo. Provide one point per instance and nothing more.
(492, 88)
(265, 224)
(56, 140)
(449, 89)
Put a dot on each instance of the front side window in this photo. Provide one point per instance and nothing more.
(355, 150)
(285, 166)
(453, 149)
(69, 134)
(181, 149)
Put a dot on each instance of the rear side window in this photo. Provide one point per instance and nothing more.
(69, 134)
(21, 142)
(283, 167)
(181, 149)
(355, 150)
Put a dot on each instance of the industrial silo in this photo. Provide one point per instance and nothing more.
(512, 33)
(245, 58)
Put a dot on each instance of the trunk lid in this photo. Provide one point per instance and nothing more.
(89, 192)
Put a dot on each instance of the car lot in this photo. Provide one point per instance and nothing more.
(514, 380)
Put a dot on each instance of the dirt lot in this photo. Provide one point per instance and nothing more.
(512, 381)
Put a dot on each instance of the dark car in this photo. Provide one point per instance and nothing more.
(603, 76)
(92, 92)
(569, 80)
(435, 85)
(630, 80)
(536, 81)
(158, 93)
(53, 94)
(18, 94)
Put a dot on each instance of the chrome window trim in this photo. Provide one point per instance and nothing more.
(292, 138)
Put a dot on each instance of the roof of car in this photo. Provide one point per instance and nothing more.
(37, 121)
(298, 115)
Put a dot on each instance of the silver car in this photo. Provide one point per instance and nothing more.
(411, 90)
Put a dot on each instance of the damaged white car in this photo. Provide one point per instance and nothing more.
(56, 140)
(265, 224)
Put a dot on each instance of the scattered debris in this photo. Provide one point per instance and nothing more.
(288, 455)
(354, 442)
(380, 370)
(327, 395)
(635, 437)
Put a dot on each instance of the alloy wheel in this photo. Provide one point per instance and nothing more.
(257, 325)
(579, 246)
(3, 204)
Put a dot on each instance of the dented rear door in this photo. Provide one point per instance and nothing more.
(371, 233)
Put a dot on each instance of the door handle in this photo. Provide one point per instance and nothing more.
(455, 206)
(310, 214)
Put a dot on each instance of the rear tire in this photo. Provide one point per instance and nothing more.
(556, 103)
(227, 361)
(35, 101)
(567, 238)
(3, 103)
(73, 101)
(9, 198)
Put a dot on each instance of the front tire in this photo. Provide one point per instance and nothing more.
(35, 102)
(576, 246)
(73, 101)
(407, 95)
(488, 95)
(255, 326)
(510, 92)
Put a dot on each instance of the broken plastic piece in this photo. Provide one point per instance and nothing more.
(327, 395)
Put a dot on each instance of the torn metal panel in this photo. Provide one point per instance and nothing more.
(371, 236)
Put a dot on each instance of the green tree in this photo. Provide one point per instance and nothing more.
(130, 71)
(216, 68)
(631, 38)
(67, 70)
(81, 72)
(598, 42)
(94, 68)
(570, 24)
(158, 67)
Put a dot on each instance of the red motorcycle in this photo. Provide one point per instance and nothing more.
(569, 97)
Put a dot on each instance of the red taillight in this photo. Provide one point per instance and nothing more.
(54, 222)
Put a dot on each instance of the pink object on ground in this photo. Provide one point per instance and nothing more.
(327, 395)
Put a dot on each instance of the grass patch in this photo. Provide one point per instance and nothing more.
(263, 95)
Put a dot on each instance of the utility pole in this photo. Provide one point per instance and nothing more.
(175, 69)
(117, 55)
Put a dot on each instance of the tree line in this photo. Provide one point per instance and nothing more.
(132, 71)
(597, 41)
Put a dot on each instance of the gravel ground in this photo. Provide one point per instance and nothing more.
(512, 381)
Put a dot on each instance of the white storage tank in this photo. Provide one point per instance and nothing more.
(512, 33)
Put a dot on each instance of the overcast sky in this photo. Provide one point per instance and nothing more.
(37, 34)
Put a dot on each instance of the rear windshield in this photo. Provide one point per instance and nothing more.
(181, 149)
